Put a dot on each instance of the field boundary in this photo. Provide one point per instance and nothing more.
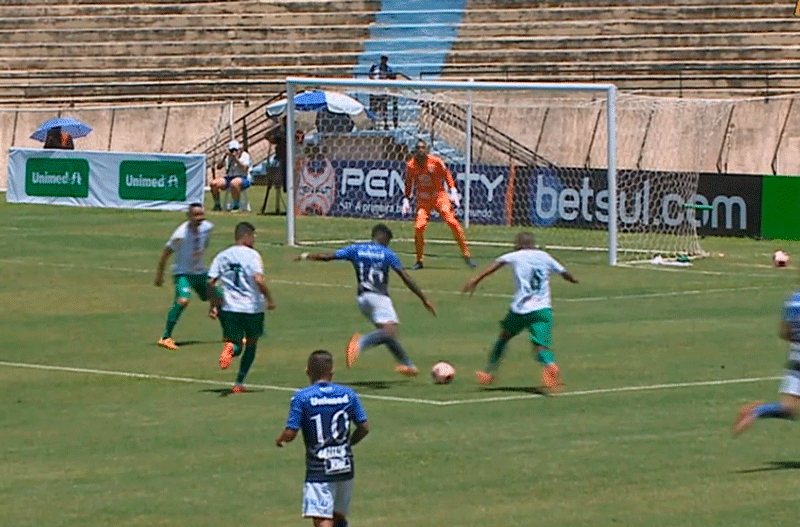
(389, 398)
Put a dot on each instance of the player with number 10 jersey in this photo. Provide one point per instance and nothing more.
(372, 263)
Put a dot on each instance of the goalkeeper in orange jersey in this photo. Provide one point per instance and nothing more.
(428, 174)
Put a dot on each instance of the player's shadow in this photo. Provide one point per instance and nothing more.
(537, 390)
(772, 465)
(224, 392)
(194, 342)
(375, 385)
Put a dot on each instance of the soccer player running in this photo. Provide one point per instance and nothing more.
(530, 307)
(189, 243)
(372, 263)
(240, 271)
(324, 411)
(787, 407)
(427, 173)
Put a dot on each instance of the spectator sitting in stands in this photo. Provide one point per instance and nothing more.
(237, 175)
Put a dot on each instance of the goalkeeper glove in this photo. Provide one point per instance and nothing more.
(454, 197)
(406, 207)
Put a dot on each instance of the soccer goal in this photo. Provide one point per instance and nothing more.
(542, 157)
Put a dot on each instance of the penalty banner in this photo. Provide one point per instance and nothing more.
(105, 179)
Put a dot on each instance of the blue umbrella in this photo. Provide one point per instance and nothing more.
(68, 125)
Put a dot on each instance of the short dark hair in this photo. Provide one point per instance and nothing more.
(242, 229)
(194, 205)
(320, 364)
(384, 57)
(382, 230)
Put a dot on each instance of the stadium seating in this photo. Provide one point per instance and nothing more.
(111, 50)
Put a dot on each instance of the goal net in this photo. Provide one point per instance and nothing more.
(547, 158)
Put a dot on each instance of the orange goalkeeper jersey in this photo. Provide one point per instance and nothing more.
(429, 179)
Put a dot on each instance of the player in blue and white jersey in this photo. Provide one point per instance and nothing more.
(324, 412)
(240, 271)
(372, 263)
(188, 243)
(787, 407)
(531, 306)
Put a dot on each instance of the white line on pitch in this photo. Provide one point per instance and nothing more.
(189, 380)
(601, 391)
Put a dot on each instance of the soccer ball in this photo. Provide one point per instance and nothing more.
(780, 258)
(443, 372)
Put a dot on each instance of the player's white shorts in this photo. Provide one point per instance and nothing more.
(378, 308)
(320, 499)
(790, 384)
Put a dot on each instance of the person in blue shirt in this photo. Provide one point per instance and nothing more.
(324, 411)
(787, 407)
(372, 263)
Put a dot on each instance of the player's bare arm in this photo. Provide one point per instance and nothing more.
(162, 263)
(214, 300)
(287, 436)
(470, 286)
(568, 277)
(361, 431)
(318, 257)
(416, 290)
(261, 282)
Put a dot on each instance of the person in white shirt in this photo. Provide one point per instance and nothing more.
(239, 271)
(237, 175)
(530, 307)
(188, 243)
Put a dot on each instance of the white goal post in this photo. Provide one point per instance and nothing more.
(537, 156)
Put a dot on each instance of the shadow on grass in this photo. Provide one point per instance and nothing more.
(195, 342)
(773, 465)
(538, 390)
(224, 392)
(375, 385)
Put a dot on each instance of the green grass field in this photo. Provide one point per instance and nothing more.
(102, 427)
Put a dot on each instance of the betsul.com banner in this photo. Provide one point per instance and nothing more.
(578, 198)
(105, 179)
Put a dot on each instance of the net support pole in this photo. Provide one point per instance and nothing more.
(611, 104)
(468, 160)
(290, 164)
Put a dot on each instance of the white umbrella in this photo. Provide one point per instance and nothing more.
(308, 104)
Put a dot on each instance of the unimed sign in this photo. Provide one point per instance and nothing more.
(57, 177)
(152, 180)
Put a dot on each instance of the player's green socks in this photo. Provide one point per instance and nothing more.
(495, 355)
(248, 357)
(545, 357)
(172, 318)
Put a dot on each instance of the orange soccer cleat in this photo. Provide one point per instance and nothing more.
(238, 388)
(484, 378)
(226, 356)
(168, 343)
(409, 371)
(353, 349)
(745, 418)
(551, 377)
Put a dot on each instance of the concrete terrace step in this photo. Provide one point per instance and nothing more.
(92, 7)
(137, 59)
(664, 12)
(270, 50)
(629, 27)
(124, 21)
(289, 37)
(543, 4)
